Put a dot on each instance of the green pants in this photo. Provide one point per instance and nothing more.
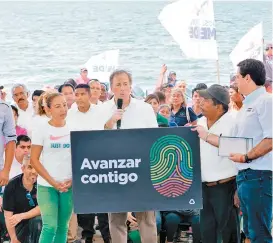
(56, 210)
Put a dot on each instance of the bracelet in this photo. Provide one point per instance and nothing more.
(206, 139)
(247, 160)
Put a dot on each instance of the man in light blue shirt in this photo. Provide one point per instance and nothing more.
(7, 131)
(254, 179)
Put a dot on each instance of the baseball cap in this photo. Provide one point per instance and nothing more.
(84, 69)
(217, 92)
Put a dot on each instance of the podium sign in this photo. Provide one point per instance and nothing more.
(136, 170)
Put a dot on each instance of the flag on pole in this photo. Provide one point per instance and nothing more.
(102, 65)
(250, 46)
(191, 24)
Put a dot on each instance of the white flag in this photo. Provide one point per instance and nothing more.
(101, 66)
(250, 46)
(191, 24)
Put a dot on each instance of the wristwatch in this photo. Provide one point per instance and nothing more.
(247, 160)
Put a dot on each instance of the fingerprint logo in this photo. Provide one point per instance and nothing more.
(171, 166)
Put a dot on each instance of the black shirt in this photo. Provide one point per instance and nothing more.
(17, 198)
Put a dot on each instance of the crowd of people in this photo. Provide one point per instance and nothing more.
(36, 174)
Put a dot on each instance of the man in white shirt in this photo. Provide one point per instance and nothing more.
(254, 120)
(20, 96)
(134, 114)
(84, 117)
(218, 173)
(23, 145)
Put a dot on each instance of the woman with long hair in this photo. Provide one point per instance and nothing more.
(181, 115)
(153, 100)
(52, 140)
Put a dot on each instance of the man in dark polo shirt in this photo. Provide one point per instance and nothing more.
(22, 213)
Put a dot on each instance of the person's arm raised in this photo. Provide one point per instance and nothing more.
(160, 80)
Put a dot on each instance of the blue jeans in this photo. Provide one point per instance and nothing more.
(255, 194)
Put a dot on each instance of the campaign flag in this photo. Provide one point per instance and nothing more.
(136, 170)
(250, 46)
(102, 65)
(191, 24)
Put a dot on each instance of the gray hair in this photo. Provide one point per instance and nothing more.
(118, 72)
(164, 106)
(17, 86)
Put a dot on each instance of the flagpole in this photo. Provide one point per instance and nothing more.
(218, 71)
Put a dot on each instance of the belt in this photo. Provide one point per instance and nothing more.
(215, 183)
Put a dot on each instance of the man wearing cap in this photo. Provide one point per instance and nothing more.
(83, 79)
(218, 173)
(254, 180)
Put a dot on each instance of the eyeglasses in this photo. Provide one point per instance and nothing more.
(30, 199)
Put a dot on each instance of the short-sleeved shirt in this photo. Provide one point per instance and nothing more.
(7, 128)
(180, 118)
(254, 120)
(15, 197)
(56, 151)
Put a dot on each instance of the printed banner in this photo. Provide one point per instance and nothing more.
(135, 170)
(191, 24)
(250, 46)
(101, 66)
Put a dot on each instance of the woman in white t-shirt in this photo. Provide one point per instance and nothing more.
(52, 141)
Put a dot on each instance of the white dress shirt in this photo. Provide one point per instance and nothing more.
(137, 114)
(213, 166)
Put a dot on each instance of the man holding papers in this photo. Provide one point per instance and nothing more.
(218, 172)
(254, 179)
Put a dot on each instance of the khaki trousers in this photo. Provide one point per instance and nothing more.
(73, 229)
(146, 222)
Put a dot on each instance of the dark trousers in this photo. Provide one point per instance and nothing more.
(87, 221)
(255, 194)
(218, 218)
(172, 220)
(28, 231)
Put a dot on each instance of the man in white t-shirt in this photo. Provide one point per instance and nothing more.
(134, 114)
(83, 117)
(218, 173)
(86, 116)
(20, 96)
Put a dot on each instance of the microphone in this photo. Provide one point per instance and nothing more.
(119, 105)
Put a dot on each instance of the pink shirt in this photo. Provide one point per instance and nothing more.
(20, 131)
(80, 80)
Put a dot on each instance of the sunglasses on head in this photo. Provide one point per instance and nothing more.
(30, 199)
